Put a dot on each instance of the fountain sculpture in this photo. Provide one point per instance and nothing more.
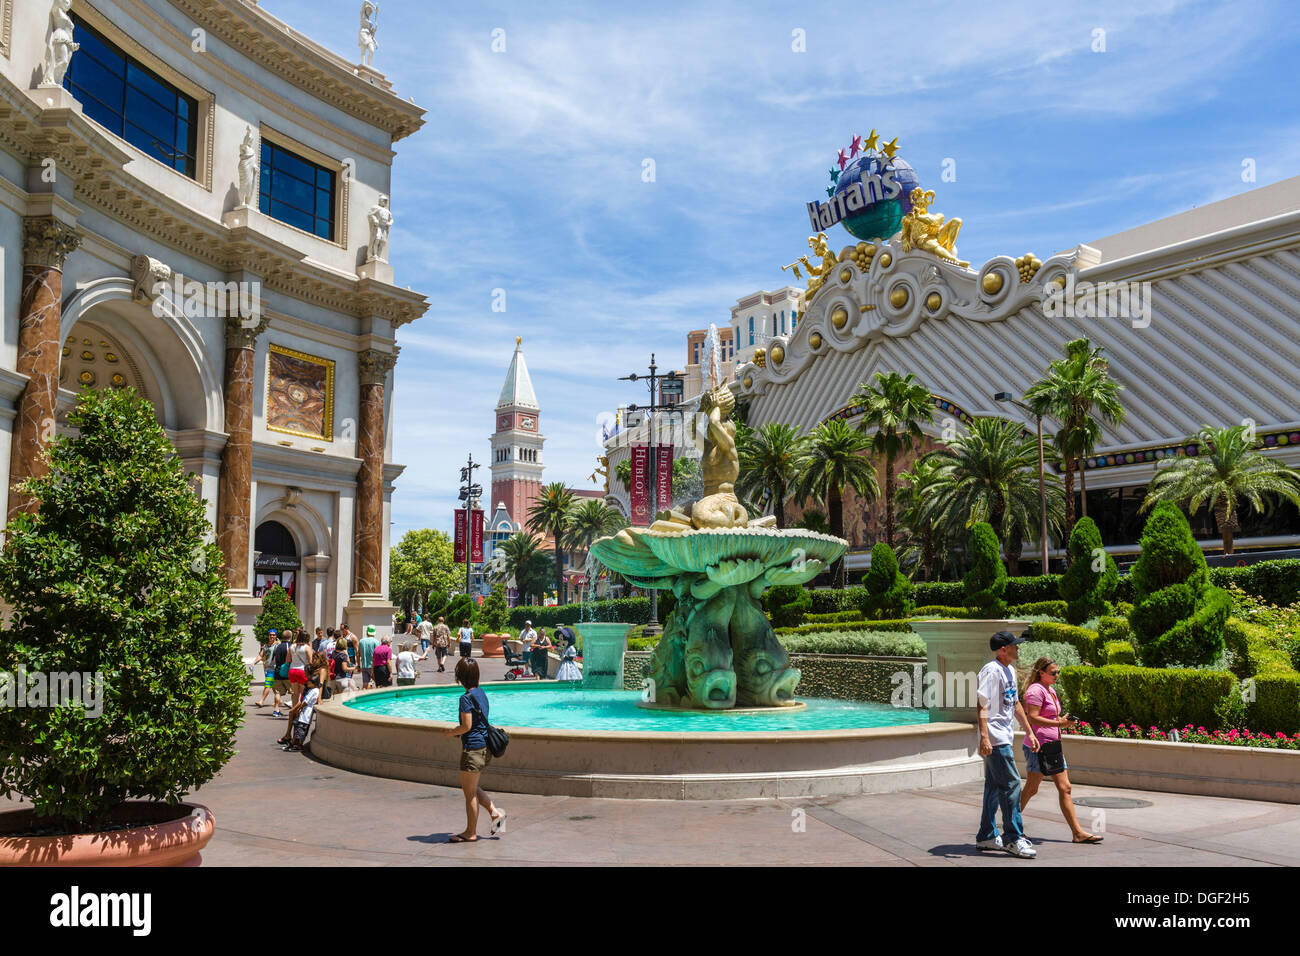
(718, 649)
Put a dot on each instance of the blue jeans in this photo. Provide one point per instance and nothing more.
(1001, 787)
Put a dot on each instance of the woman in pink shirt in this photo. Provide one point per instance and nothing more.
(383, 663)
(1043, 708)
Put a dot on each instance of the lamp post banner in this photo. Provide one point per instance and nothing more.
(459, 556)
(663, 478)
(640, 485)
(476, 537)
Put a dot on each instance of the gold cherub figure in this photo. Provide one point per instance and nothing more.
(926, 230)
(816, 274)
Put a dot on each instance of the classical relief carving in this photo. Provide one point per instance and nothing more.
(47, 241)
(240, 335)
(146, 273)
(373, 366)
(58, 45)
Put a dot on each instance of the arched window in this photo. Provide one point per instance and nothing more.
(751, 330)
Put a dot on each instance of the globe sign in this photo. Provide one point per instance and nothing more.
(882, 218)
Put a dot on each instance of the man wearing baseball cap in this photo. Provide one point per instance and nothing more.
(366, 656)
(999, 703)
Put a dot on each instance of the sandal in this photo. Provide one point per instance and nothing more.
(498, 824)
(457, 838)
(1090, 838)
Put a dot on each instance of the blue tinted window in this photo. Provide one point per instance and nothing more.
(297, 191)
(131, 101)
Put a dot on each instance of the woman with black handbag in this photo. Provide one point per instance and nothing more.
(1043, 708)
(480, 742)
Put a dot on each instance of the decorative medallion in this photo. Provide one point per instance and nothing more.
(840, 317)
(87, 378)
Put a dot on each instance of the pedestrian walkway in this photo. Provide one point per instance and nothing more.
(396, 823)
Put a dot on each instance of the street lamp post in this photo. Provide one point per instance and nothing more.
(1042, 471)
(653, 379)
(469, 493)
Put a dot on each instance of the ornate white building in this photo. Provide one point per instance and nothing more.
(193, 202)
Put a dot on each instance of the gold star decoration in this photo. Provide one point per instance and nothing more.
(890, 148)
(871, 142)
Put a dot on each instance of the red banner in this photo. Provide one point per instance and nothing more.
(459, 556)
(476, 537)
(664, 477)
(640, 487)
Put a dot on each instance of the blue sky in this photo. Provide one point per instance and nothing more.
(528, 173)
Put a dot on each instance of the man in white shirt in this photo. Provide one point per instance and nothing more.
(999, 707)
(425, 630)
(526, 638)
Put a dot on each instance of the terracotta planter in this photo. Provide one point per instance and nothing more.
(492, 645)
(166, 836)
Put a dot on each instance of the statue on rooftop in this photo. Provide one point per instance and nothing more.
(58, 45)
(366, 36)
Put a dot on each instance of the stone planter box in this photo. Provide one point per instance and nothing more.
(955, 650)
(1210, 770)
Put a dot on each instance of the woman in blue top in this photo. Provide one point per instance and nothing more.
(475, 755)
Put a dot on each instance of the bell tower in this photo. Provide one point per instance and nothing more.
(517, 443)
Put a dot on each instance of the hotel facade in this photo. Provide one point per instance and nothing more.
(194, 204)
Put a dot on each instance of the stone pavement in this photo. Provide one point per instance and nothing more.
(356, 820)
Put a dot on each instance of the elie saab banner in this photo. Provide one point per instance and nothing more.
(663, 477)
(459, 556)
(640, 485)
(476, 537)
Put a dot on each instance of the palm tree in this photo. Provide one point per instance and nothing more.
(589, 520)
(1072, 389)
(990, 474)
(520, 557)
(915, 499)
(894, 408)
(768, 462)
(550, 515)
(1227, 470)
(833, 459)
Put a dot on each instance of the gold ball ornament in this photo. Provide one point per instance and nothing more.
(815, 340)
(846, 275)
(885, 260)
(778, 354)
(840, 317)
(933, 301)
(749, 381)
(898, 297)
(993, 283)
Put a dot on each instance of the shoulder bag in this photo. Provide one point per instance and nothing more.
(497, 739)
(1051, 758)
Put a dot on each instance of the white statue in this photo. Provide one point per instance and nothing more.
(247, 169)
(381, 220)
(58, 45)
(369, 27)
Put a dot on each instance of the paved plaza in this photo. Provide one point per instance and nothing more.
(371, 821)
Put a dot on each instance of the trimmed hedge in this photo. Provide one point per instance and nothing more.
(1080, 638)
(1030, 590)
(1114, 629)
(1277, 582)
(889, 593)
(1086, 587)
(866, 643)
(986, 582)
(936, 593)
(1150, 696)
(1048, 608)
(835, 617)
(1118, 652)
(786, 604)
(623, 610)
(831, 600)
(1256, 649)
(900, 626)
(1276, 707)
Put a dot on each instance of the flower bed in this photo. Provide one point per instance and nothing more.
(1189, 735)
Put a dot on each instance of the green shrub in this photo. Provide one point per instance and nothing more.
(1032, 589)
(837, 617)
(943, 610)
(831, 600)
(1147, 696)
(946, 593)
(1276, 582)
(622, 610)
(986, 581)
(1085, 586)
(494, 612)
(1177, 617)
(1080, 638)
(667, 604)
(1256, 650)
(278, 612)
(900, 626)
(1118, 652)
(786, 604)
(1114, 629)
(867, 643)
(115, 575)
(1064, 654)
(1276, 707)
(1044, 608)
(888, 593)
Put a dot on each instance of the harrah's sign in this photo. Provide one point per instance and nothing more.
(871, 189)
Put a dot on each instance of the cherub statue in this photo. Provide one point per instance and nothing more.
(925, 230)
(247, 168)
(818, 274)
(366, 36)
(58, 45)
(380, 220)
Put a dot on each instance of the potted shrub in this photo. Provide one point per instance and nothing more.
(114, 576)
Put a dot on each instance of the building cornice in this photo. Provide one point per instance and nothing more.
(278, 48)
(306, 469)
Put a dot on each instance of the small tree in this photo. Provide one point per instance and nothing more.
(494, 612)
(986, 581)
(1092, 576)
(115, 575)
(888, 592)
(278, 612)
(1177, 617)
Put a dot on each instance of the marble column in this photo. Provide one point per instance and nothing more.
(234, 487)
(374, 367)
(47, 242)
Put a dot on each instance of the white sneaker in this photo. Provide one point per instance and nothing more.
(993, 844)
(1023, 849)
